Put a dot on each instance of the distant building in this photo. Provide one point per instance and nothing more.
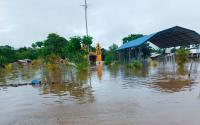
(194, 53)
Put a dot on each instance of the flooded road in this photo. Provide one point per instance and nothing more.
(108, 96)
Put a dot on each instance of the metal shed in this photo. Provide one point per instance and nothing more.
(172, 37)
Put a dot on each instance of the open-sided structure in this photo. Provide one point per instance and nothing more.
(172, 37)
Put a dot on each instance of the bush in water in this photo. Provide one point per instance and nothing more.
(182, 56)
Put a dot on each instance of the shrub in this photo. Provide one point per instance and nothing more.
(82, 65)
(182, 56)
(3, 61)
(153, 63)
(8, 67)
(137, 64)
(53, 59)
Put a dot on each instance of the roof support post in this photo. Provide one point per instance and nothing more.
(139, 56)
(124, 55)
(129, 54)
(119, 56)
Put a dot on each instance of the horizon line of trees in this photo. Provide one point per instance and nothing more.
(74, 49)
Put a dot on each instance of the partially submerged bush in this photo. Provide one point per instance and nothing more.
(182, 56)
(153, 63)
(3, 61)
(111, 63)
(53, 59)
(135, 65)
(8, 67)
(37, 62)
(108, 60)
(82, 65)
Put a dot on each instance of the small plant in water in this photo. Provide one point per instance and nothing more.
(182, 56)
(82, 65)
(8, 67)
(135, 65)
(153, 63)
(2, 61)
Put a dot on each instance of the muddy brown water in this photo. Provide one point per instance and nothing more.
(115, 95)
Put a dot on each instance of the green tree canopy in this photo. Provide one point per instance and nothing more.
(7, 52)
(39, 44)
(74, 43)
(34, 45)
(111, 54)
(131, 37)
(55, 43)
(87, 40)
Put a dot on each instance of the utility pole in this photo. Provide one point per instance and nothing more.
(86, 28)
(86, 20)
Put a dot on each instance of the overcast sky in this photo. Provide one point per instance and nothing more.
(25, 21)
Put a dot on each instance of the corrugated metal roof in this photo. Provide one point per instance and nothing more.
(136, 42)
(172, 37)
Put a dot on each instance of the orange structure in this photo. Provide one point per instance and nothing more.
(98, 54)
(96, 57)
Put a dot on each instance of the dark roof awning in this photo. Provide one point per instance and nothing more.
(172, 37)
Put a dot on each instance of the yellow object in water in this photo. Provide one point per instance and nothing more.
(8, 67)
(99, 54)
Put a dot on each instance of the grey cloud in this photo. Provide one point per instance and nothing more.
(25, 21)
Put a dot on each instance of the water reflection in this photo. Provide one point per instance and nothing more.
(67, 82)
(99, 71)
(114, 70)
(75, 91)
(172, 85)
(182, 70)
(168, 79)
(62, 80)
(18, 74)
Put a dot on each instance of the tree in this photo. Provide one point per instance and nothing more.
(73, 49)
(131, 37)
(146, 50)
(87, 40)
(8, 53)
(75, 43)
(173, 50)
(113, 47)
(39, 44)
(26, 53)
(111, 55)
(34, 45)
(54, 44)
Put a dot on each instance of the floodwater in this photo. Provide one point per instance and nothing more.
(159, 95)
